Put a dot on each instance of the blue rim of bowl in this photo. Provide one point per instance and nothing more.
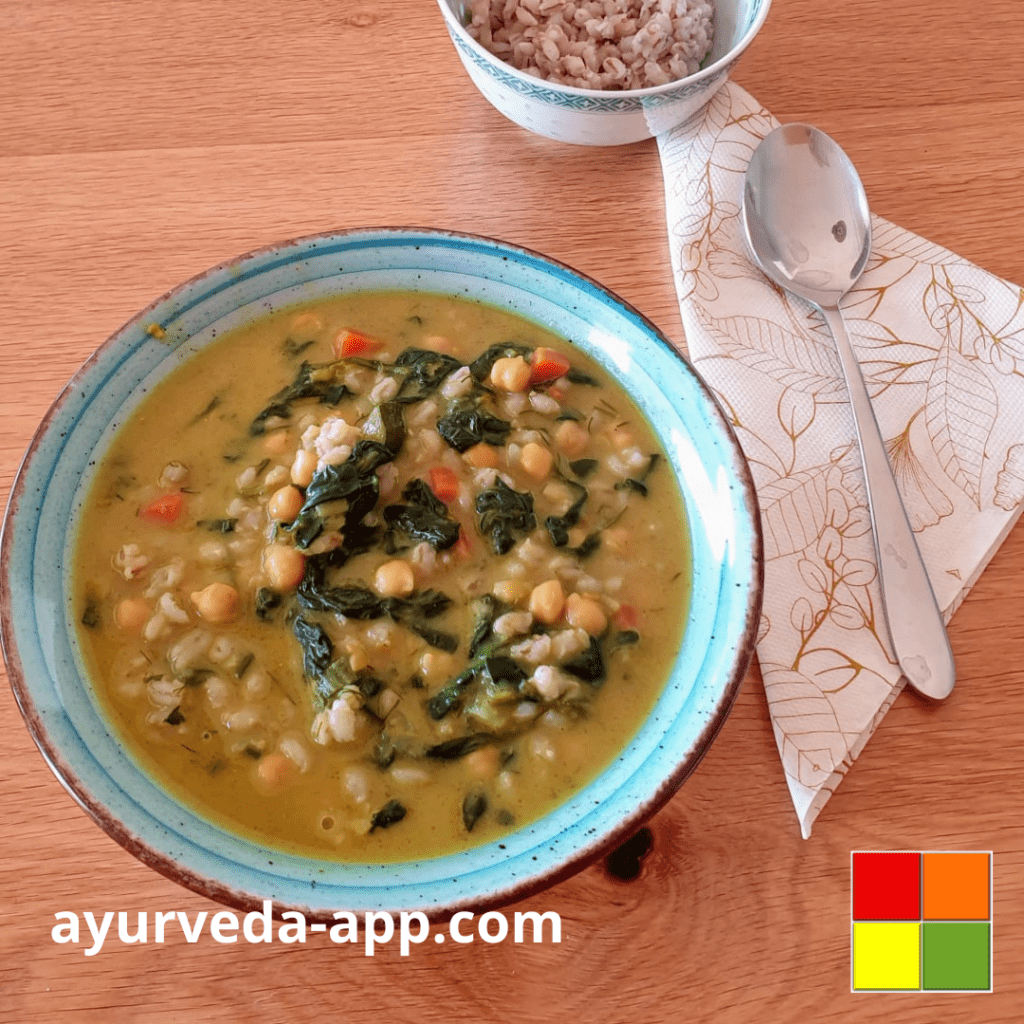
(596, 100)
(81, 387)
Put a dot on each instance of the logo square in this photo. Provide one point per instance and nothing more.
(957, 956)
(886, 955)
(956, 886)
(887, 886)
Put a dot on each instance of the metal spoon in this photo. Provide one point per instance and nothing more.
(807, 221)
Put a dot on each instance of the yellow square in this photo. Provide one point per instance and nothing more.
(886, 955)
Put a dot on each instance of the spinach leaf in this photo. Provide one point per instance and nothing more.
(195, 676)
(639, 484)
(390, 814)
(175, 717)
(558, 526)
(504, 515)
(428, 603)
(496, 697)
(632, 484)
(317, 648)
(386, 424)
(501, 669)
(583, 467)
(423, 371)
(384, 752)
(266, 601)
(473, 808)
(465, 425)
(310, 382)
(481, 367)
(575, 376)
(588, 665)
(452, 750)
(356, 601)
(329, 683)
(292, 348)
(590, 544)
(210, 406)
(435, 637)
(424, 517)
(91, 613)
(486, 609)
(624, 638)
(218, 525)
(449, 697)
(354, 481)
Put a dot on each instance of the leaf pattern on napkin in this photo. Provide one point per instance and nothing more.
(926, 503)
(941, 345)
(794, 360)
(960, 413)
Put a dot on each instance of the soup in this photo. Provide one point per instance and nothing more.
(382, 577)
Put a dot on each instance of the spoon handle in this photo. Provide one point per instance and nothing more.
(911, 611)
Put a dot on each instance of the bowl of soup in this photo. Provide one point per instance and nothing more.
(392, 569)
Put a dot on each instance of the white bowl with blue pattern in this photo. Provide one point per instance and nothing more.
(68, 722)
(593, 117)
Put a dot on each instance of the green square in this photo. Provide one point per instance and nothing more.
(957, 956)
(886, 955)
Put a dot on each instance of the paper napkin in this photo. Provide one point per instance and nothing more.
(941, 344)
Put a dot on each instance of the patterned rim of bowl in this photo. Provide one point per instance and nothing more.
(574, 98)
(67, 722)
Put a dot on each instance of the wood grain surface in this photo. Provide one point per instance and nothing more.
(143, 141)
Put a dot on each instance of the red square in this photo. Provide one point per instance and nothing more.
(887, 886)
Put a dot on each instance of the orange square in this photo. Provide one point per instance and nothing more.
(956, 886)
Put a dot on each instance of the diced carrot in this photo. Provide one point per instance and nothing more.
(444, 483)
(352, 343)
(462, 547)
(626, 617)
(547, 364)
(164, 509)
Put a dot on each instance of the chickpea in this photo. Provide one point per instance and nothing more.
(483, 763)
(547, 601)
(131, 614)
(303, 468)
(536, 460)
(438, 343)
(436, 665)
(284, 566)
(481, 455)
(285, 504)
(511, 374)
(394, 579)
(216, 603)
(585, 613)
(276, 443)
(617, 539)
(622, 437)
(511, 591)
(276, 770)
(571, 438)
(307, 322)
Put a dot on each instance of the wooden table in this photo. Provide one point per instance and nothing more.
(141, 142)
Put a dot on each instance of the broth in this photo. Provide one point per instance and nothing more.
(382, 576)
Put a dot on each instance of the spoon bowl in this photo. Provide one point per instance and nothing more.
(809, 229)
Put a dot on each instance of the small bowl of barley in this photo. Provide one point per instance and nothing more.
(600, 72)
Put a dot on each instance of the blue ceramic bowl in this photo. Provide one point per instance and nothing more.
(69, 724)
